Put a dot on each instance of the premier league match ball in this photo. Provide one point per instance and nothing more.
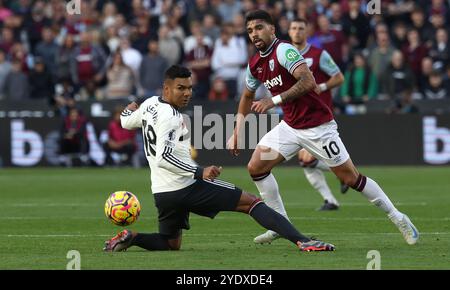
(122, 208)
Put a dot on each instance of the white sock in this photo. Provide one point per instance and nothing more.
(317, 179)
(376, 195)
(268, 189)
(322, 166)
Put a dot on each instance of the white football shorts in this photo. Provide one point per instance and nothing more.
(323, 142)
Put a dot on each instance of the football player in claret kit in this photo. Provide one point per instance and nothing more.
(328, 76)
(179, 186)
(308, 123)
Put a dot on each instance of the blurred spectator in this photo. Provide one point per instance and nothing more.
(87, 62)
(398, 78)
(229, 58)
(282, 28)
(420, 23)
(63, 58)
(355, 25)
(120, 141)
(131, 57)
(48, 50)
(414, 52)
(64, 97)
(112, 39)
(168, 46)
(17, 87)
(5, 68)
(360, 86)
(399, 35)
(196, 32)
(425, 72)
(219, 91)
(73, 143)
(152, 70)
(440, 51)
(336, 16)
(120, 79)
(436, 88)
(228, 9)
(4, 12)
(210, 28)
(332, 41)
(174, 23)
(36, 23)
(41, 81)
(199, 10)
(198, 59)
(143, 34)
(240, 30)
(109, 14)
(380, 56)
(7, 40)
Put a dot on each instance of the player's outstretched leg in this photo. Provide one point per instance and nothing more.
(274, 221)
(373, 192)
(259, 167)
(152, 242)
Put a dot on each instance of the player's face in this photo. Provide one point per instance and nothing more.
(178, 91)
(260, 33)
(297, 32)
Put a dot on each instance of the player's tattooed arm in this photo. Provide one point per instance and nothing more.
(305, 83)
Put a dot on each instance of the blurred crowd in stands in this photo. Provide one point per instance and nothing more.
(114, 49)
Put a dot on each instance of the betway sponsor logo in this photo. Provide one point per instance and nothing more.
(276, 81)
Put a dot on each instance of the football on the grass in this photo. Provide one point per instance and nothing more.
(122, 208)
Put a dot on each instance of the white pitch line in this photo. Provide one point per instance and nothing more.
(298, 204)
(309, 218)
(211, 234)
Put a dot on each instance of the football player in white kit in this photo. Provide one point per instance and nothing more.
(179, 185)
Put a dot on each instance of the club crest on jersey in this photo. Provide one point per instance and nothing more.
(271, 64)
(276, 81)
(309, 61)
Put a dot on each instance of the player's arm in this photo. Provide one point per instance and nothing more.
(245, 103)
(290, 58)
(328, 66)
(305, 83)
(131, 118)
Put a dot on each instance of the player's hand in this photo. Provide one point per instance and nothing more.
(133, 106)
(263, 105)
(232, 144)
(211, 172)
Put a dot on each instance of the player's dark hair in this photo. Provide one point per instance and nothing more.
(177, 71)
(300, 20)
(258, 14)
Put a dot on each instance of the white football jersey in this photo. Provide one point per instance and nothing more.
(166, 144)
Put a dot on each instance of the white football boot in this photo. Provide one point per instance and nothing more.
(266, 238)
(408, 230)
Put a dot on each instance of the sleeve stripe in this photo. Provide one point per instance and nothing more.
(296, 65)
(126, 113)
(169, 157)
(250, 89)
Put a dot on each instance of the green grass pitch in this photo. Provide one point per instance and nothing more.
(47, 212)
